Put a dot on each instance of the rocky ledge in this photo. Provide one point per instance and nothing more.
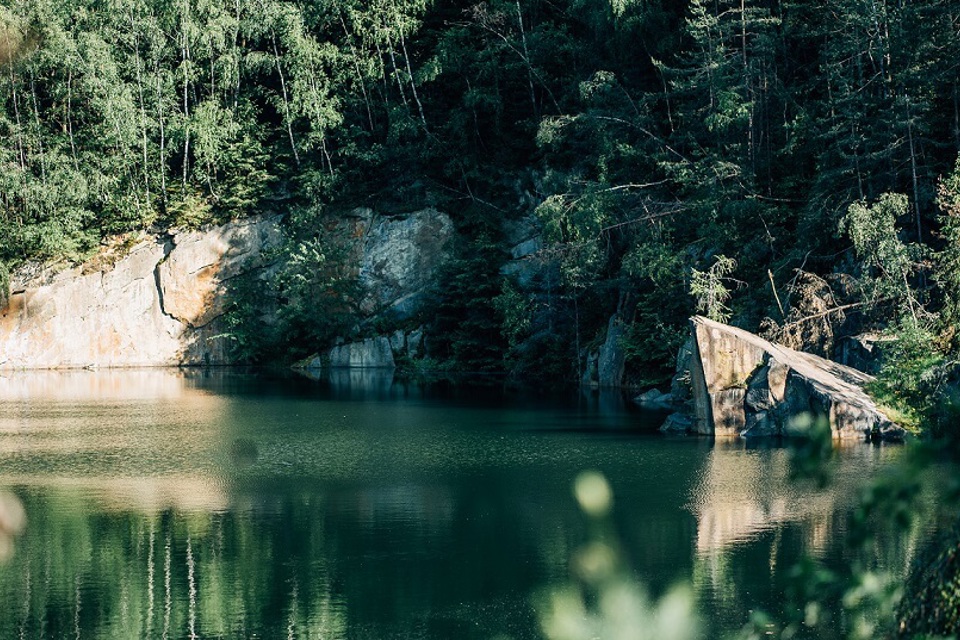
(156, 302)
(731, 382)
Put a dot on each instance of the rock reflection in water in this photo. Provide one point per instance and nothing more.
(355, 383)
(146, 495)
(754, 520)
(744, 491)
(12, 521)
(92, 386)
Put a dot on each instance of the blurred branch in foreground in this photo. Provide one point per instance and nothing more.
(602, 600)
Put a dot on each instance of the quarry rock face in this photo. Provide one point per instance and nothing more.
(159, 300)
(155, 305)
(192, 277)
(743, 385)
(369, 353)
(611, 357)
(400, 258)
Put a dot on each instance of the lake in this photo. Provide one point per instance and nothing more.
(170, 504)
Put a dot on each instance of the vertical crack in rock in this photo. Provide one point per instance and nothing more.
(168, 246)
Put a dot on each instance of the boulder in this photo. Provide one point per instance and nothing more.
(743, 385)
(654, 399)
(524, 239)
(416, 347)
(679, 423)
(153, 305)
(398, 341)
(680, 389)
(370, 353)
(407, 344)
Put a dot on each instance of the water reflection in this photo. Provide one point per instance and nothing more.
(227, 505)
(754, 524)
(357, 384)
(743, 492)
(169, 575)
(12, 520)
(89, 386)
(147, 495)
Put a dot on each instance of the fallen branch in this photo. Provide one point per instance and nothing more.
(647, 218)
(842, 307)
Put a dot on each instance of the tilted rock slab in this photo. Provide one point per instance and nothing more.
(743, 385)
(155, 306)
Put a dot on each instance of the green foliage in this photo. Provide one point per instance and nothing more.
(711, 290)
(514, 308)
(315, 302)
(887, 264)
(250, 326)
(188, 209)
(319, 292)
(933, 606)
(645, 135)
(650, 345)
(898, 504)
(602, 600)
(466, 324)
(947, 260)
(812, 451)
(890, 507)
(912, 378)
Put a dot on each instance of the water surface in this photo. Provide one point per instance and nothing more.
(165, 504)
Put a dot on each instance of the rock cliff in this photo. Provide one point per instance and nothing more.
(399, 258)
(743, 385)
(397, 261)
(156, 305)
(370, 353)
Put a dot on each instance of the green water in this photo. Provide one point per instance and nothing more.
(163, 504)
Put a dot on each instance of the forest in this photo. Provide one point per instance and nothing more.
(784, 165)
(787, 166)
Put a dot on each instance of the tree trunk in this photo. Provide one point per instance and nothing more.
(16, 113)
(73, 146)
(913, 171)
(185, 61)
(143, 110)
(356, 66)
(163, 140)
(413, 84)
(286, 100)
(526, 55)
(396, 73)
(36, 119)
